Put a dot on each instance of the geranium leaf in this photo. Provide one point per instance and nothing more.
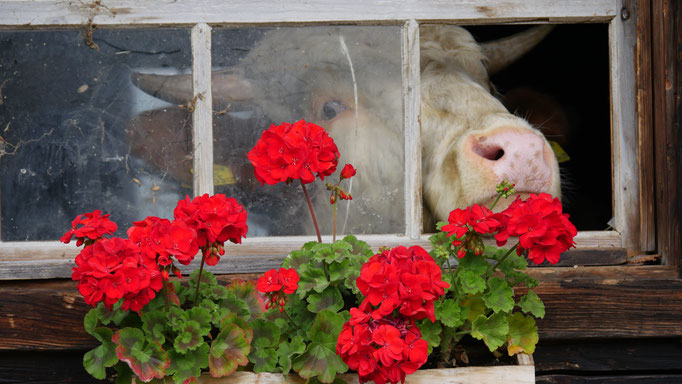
(98, 359)
(471, 282)
(154, 325)
(202, 316)
(246, 290)
(359, 247)
(473, 307)
(326, 327)
(476, 264)
(288, 350)
(320, 360)
(146, 359)
(338, 271)
(430, 332)
(115, 315)
(299, 257)
(207, 280)
(233, 319)
(330, 299)
(492, 330)
(217, 292)
(186, 366)
(176, 318)
(449, 313)
(235, 305)
(523, 334)
(323, 252)
(90, 321)
(228, 351)
(311, 279)
(531, 303)
(340, 252)
(189, 337)
(123, 373)
(499, 296)
(263, 359)
(265, 334)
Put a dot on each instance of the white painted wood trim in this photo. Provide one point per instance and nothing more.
(622, 40)
(53, 260)
(413, 142)
(59, 13)
(202, 117)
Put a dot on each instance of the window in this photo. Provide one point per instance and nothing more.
(118, 158)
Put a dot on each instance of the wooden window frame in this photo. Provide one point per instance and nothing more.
(630, 203)
(582, 302)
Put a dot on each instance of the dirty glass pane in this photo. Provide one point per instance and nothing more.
(347, 80)
(77, 135)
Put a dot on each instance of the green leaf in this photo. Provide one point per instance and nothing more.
(239, 322)
(531, 303)
(246, 290)
(299, 257)
(188, 365)
(338, 271)
(311, 279)
(115, 315)
(147, 359)
(203, 318)
(523, 334)
(327, 327)
(340, 252)
(449, 313)
(265, 334)
(207, 280)
(98, 359)
(499, 297)
(492, 330)
(288, 350)
(232, 304)
(228, 351)
(359, 247)
(90, 321)
(476, 264)
(263, 359)
(123, 373)
(154, 324)
(471, 282)
(330, 299)
(189, 337)
(320, 360)
(176, 318)
(473, 307)
(430, 332)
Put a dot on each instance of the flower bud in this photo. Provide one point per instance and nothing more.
(347, 172)
(332, 198)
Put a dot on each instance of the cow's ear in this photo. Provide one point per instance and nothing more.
(227, 86)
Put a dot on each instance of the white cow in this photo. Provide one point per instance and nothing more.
(348, 80)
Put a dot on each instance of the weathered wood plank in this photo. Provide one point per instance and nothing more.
(202, 105)
(622, 38)
(583, 302)
(631, 379)
(155, 12)
(623, 355)
(413, 142)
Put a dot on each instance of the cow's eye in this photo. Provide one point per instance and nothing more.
(332, 108)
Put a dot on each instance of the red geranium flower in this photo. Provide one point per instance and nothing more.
(277, 285)
(543, 229)
(288, 152)
(476, 218)
(93, 226)
(348, 171)
(269, 282)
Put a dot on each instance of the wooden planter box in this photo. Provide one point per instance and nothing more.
(524, 373)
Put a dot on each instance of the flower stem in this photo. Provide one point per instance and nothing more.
(201, 269)
(312, 212)
(495, 202)
(336, 200)
(284, 311)
(505, 256)
(165, 295)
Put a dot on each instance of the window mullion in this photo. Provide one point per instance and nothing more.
(412, 107)
(202, 117)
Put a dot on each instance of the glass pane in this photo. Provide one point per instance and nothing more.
(563, 94)
(270, 76)
(77, 135)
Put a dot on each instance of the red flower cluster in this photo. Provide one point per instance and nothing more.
(215, 219)
(471, 221)
(276, 284)
(288, 152)
(114, 269)
(381, 340)
(541, 226)
(402, 278)
(381, 350)
(94, 225)
(164, 240)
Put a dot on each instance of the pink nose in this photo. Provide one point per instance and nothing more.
(518, 156)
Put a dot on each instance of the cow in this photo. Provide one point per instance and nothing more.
(348, 80)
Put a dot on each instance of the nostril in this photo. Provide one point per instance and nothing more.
(492, 152)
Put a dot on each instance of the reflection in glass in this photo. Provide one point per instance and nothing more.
(78, 136)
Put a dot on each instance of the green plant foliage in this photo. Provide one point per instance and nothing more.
(189, 337)
(288, 350)
(97, 360)
(329, 299)
(492, 330)
(229, 350)
(523, 334)
(185, 366)
(531, 303)
(499, 296)
(246, 290)
(146, 358)
(320, 359)
(154, 325)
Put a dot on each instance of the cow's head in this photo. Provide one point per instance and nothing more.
(349, 80)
